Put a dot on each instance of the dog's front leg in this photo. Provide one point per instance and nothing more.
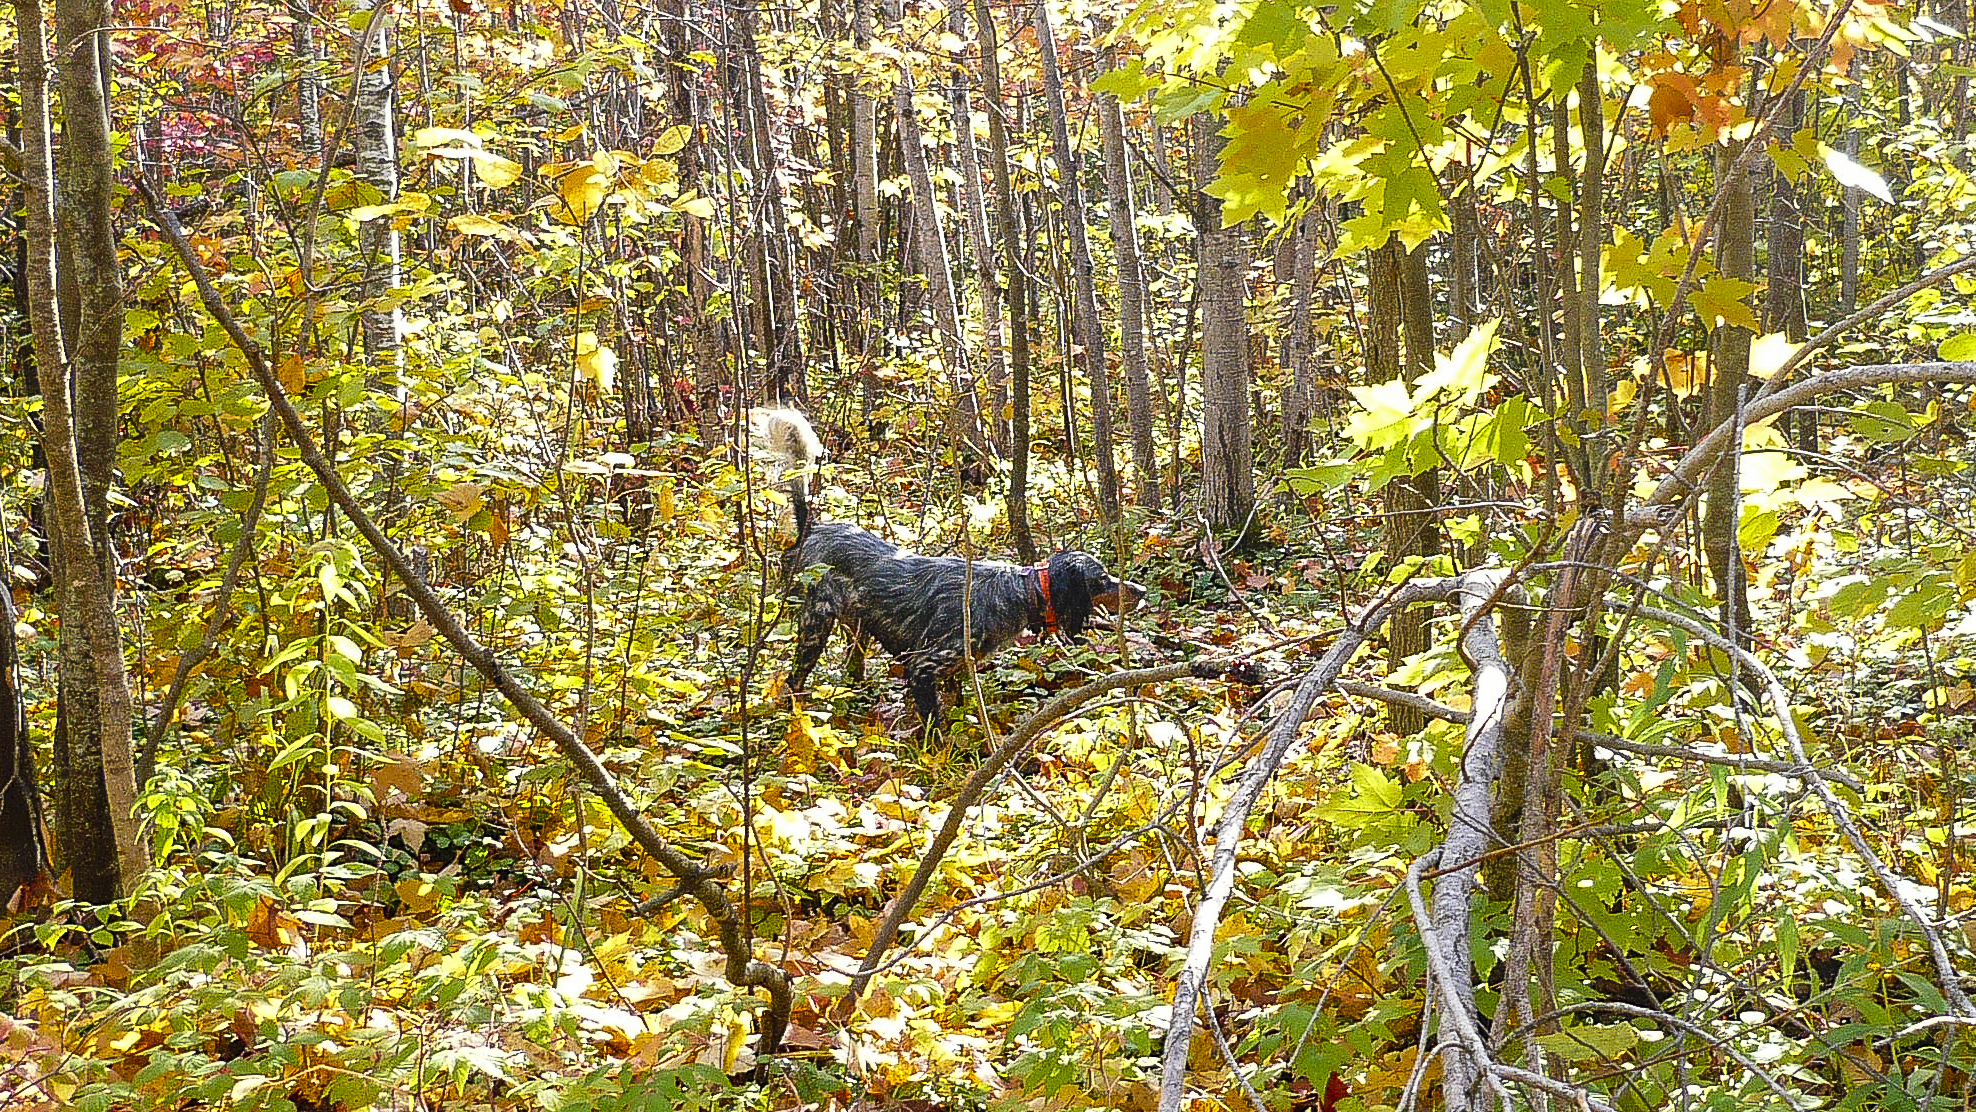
(821, 605)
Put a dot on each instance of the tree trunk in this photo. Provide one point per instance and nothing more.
(1086, 326)
(23, 853)
(1726, 379)
(375, 139)
(1016, 261)
(1299, 342)
(1571, 351)
(1398, 304)
(702, 338)
(1464, 266)
(1131, 301)
(1591, 236)
(1221, 268)
(1783, 295)
(1849, 219)
(775, 304)
(980, 245)
(93, 781)
(864, 194)
(308, 87)
(931, 241)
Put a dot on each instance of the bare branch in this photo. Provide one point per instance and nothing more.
(1742, 762)
(743, 969)
(1283, 732)
(1688, 470)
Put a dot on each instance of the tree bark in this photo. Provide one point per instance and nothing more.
(93, 782)
(375, 139)
(702, 331)
(23, 851)
(1591, 237)
(1396, 306)
(308, 86)
(1016, 262)
(1299, 342)
(864, 194)
(1849, 211)
(1221, 269)
(1086, 326)
(774, 303)
(1783, 294)
(1131, 301)
(931, 241)
(980, 244)
(1727, 377)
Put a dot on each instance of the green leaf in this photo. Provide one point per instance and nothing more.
(1639, 272)
(1590, 1043)
(1882, 422)
(672, 140)
(1384, 416)
(1757, 528)
(1922, 607)
(1177, 102)
(295, 751)
(1128, 82)
(1320, 478)
(1373, 797)
(1505, 437)
(1959, 348)
(1260, 160)
(1462, 375)
(1726, 301)
(1858, 599)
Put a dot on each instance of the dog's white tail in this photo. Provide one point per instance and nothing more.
(786, 435)
(787, 438)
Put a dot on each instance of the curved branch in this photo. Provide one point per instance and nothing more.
(1456, 999)
(1688, 469)
(147, 760)
(695, 877)
(1741, 762)
(1469, 834)
(976, 784)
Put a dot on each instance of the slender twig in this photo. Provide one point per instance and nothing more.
(147, 761)
(1780, 705)
(704, 882)
(971, 790)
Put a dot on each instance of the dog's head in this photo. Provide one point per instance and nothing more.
(1079, 583)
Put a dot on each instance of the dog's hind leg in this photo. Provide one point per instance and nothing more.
(924, 678)
(923, 684)
(822, 604)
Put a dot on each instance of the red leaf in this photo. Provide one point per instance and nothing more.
(1334, 1091)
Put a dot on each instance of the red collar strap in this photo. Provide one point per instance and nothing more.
(1043, 591)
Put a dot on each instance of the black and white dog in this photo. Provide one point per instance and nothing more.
(914, 605)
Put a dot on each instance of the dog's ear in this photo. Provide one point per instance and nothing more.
(1073, 577)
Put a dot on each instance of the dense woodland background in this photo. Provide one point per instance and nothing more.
(394, 714)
